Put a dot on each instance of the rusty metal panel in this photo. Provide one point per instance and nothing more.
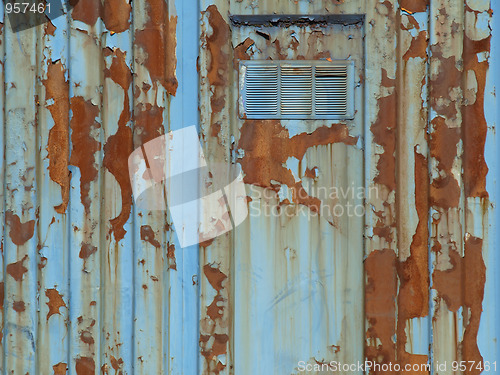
(93, 284)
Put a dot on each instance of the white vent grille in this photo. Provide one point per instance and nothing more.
(296, 89)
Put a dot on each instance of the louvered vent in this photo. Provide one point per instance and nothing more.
(296, 89)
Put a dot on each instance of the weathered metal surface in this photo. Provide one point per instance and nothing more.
(92, 284)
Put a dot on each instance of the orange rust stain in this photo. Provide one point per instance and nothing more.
(267, 147)
(412, 6)
(55, 302)
(19, 306)
(2, 294)
(474, 122)
(119, 146)
(85, 366)
(116, 15)
(57, 89)
(86, 11)
(418, 47)
(148, 235)
(84, 145)
(380, 307)
(445, 190)
(60, 368)
(384, 134)
(19, 233)
(17, 269)
(463, 286)
(171, 257)
(240, 51)
(158, 40)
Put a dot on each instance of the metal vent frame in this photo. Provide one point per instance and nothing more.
(249, 100)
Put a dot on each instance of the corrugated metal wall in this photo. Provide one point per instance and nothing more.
(94, 285)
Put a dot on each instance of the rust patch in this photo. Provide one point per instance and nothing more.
(19, 306)
(116, 363)
(418, 47)
(86, 11)
(215, 344)
(445, 191)
(384, 134)
(448, 77)
(413, 6)
(218, 67)
(116, 15)
(380, 307)
(171, 257)
(87, 338)
(86, 251)
(57, 89)
(267, 147)
(55, 302)
(19, 233)
(119, 146)
(386, 81)
(240, 51)
(17, 269)
(84, 145)
(463, 285)
(60, 368)
(159, 46)
(148, 235)
(279, 50)
(413, 297)
(2, 294)
(148, 123)
(85, 366)
(475, 127)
